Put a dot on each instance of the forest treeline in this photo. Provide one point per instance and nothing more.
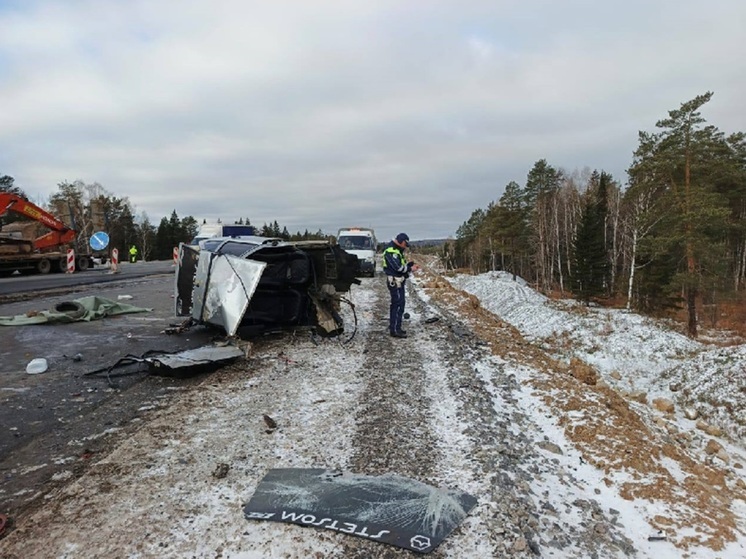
(675, 237)
(89, 208)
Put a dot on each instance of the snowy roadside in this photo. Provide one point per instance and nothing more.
(672, 403)
(634, 354)
(464, 402)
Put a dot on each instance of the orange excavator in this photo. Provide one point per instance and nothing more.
(43, 254)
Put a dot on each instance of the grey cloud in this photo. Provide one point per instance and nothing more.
(315, 114)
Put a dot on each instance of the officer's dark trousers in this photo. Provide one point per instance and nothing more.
(396, 311)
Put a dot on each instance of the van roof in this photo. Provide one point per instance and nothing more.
(356, 230)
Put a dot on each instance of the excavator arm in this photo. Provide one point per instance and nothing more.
(60, 233)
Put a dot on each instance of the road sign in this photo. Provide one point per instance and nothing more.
(99, 240)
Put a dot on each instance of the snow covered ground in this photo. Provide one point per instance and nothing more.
(543, 410)
(633, 353)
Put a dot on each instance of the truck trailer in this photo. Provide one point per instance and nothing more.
(218, 230)
(40, 255)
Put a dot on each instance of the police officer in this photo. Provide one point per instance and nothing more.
(397, 270)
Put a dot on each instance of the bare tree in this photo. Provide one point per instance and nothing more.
(145, 232)
(642, 216)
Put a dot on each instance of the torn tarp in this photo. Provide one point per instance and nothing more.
(83, 309)
(388, 509)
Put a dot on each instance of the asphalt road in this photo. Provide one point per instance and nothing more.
(64, 416)
(18, 285)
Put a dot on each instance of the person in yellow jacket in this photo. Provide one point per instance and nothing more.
(133, 253)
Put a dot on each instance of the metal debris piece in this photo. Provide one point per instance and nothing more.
(197, 360)
(659, 537)
(179, 328)
(205, 355)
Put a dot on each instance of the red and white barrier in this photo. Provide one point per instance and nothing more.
(70, 261)
(114, 260)
(176, 256)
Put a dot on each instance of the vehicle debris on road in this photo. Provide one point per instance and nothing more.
(191, 361)
(37, 366)
(83, 309)
(250, 286)
(390, 509)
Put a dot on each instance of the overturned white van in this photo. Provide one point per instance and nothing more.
(251, 286)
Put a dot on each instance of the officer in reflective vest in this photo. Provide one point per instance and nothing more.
(397, 270)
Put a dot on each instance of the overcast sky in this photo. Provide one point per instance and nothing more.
(392, 114)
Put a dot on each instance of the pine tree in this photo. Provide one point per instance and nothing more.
(511, 228)
(590, 260)
(540, 197)
(7, 184)
(685, 158)
(189, 229)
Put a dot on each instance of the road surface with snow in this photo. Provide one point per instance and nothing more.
(581, 432)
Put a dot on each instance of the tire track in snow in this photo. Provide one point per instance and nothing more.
(393, 434)
(416, 422)
(494, 456)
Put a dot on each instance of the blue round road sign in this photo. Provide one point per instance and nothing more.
(99, 241)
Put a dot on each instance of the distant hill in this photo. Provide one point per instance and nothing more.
(425, 243)
(429, 242)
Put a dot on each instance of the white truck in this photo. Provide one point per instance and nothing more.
(360, 241)
(219, 230)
